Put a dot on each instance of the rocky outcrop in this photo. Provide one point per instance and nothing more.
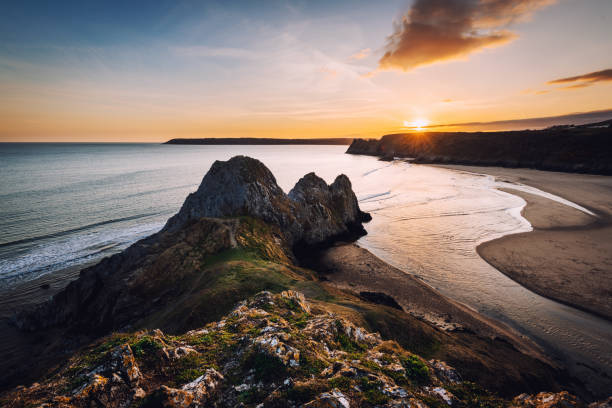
(312, 213)
(139, 283)
(271, 350)
(581, 149)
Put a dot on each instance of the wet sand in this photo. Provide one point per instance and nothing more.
(568, 255)
(350, 267)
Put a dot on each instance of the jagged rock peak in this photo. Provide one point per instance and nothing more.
(239, 186)
(312, 213)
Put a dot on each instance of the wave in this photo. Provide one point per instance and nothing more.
(82, 185)
(160, 190)
(73, 230)
(371, 196)
(367, 173)
(70, 251)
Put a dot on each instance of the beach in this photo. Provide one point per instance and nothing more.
(568, 255)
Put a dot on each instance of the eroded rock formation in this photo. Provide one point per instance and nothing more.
(312, 213)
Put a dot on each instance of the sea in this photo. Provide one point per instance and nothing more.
(63, 205)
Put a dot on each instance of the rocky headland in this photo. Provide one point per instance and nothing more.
(577, 149)
(180, 319)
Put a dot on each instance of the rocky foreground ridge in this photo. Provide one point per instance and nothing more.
(158, 325)
(269, 351)
(580, 149)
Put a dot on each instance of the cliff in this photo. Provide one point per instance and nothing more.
(584, 149)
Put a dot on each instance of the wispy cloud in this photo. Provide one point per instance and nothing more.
(214, 52)
(535, 91)
(439, 30)
(361, 54)
(577, 118)
(582, 81)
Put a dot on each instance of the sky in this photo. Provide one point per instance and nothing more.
(149, 71)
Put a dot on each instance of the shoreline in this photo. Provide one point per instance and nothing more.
(350, 267)
(566, 256)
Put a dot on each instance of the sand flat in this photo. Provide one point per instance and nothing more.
(568, 256)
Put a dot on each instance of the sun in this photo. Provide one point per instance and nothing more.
(417, 124)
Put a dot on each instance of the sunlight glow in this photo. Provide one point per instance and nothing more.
(417, 124)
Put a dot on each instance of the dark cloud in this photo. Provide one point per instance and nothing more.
(582, 81)
(438, 30)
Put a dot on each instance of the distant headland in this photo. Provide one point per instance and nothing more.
(576, 149)
(261, 141)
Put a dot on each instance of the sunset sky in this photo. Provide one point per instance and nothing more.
(154, 70)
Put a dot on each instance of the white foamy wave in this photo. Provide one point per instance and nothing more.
(71, 250)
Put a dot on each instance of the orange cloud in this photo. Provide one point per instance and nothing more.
(535, 92)
(329, 72)
(361, 54)
(438, 30)
(582, 81)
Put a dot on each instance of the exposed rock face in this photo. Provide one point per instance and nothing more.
(312, 213)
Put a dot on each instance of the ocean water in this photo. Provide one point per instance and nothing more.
(64, 205)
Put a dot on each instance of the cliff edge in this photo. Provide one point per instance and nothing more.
(576, 149)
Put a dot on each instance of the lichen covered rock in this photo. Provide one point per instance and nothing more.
(275, 350)
(561, 399)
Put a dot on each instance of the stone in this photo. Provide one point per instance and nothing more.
(602, 404)
(274, 345)
(205, 385)
(445, 372)
(122, 360)
(333, 399)
(182, 352)
(298, 298)
(561, 399)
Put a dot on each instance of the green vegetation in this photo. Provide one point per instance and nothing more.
(266, 368)
(302, 393)
(311, 365)
(146, 345)
(371, 391)
(474, 396)
(416, 369)
(345, 342)
(342, 383)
